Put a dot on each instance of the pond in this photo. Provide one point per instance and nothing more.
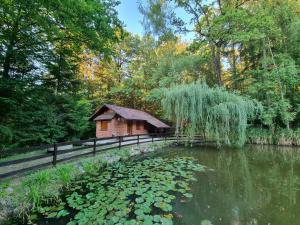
(259, 185)
(255, 185)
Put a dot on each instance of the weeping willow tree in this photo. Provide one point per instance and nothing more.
(213, 112)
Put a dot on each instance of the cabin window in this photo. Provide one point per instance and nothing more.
(104, 125)
(138, 125)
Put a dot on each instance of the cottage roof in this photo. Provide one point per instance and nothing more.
(106, 116)
(130, 114)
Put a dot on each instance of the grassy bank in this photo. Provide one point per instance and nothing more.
(279, 137)
(21, 196)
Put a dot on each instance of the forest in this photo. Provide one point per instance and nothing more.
(60, 60)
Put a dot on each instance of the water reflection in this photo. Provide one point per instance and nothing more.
(256, 185)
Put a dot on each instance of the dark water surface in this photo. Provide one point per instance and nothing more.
(255, 185)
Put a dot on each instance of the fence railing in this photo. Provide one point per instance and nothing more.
(22, 160)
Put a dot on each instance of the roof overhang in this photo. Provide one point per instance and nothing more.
(98, 112)
(128, 114)
(107, 116)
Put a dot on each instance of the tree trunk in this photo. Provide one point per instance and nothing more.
(234, 73)
(7, 62)
(216, 58)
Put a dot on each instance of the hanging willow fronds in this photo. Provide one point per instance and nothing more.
(197, 108)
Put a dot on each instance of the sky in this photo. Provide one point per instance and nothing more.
(131, 17)
(129, 14)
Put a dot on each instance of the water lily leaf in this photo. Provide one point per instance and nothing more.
(131, 222)
(115, 219)
(157, 218)
(148, 221)
(164, 206)
(206, 222)
(52, 215)
(72, 223)
(188, 195)
(125, 193)
(139, 200)
(62, 213)
(165, 221)
(168, 216)
(139, 212)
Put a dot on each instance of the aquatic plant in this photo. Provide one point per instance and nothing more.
(206, 222)
(260, 136)
(23, 196)
(199, 109)
(286, 137)
(138, 192)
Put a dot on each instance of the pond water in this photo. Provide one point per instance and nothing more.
(258, 185)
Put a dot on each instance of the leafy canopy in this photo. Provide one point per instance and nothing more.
(213, 111)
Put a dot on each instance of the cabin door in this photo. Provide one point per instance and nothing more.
(129, 127)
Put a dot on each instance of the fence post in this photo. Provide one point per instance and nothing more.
(165, 137)
(152, 137)
(119, 142)
(138, 139)
(94, 147)
(54, 154)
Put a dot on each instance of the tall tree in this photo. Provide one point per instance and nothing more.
(157, 19)
(214, 112)
(40, 47)
(22, 42)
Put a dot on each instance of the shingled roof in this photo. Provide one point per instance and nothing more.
(107, 116)
(130, 114)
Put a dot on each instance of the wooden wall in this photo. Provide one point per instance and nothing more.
(118, 127)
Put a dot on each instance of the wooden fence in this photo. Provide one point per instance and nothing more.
(22, 160)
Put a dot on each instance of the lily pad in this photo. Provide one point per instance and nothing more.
(132, 193)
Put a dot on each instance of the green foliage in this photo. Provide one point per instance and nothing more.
(36, 116)
(53, 32)
(178, 69)
(259, 136)
(6, 135)
(276, 88)
(46, 185)
(157, 14)
(41, 97)
(75, 116)
(196, 108)
(287, 137)
(127, 193)
(62, 59)
(250, 47)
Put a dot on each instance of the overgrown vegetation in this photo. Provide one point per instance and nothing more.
(42, 98)
(27, 194)
(197, 109)
(60, 60)
(126, 193)
(280, 137)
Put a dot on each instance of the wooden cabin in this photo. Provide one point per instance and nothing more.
(113, 120)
